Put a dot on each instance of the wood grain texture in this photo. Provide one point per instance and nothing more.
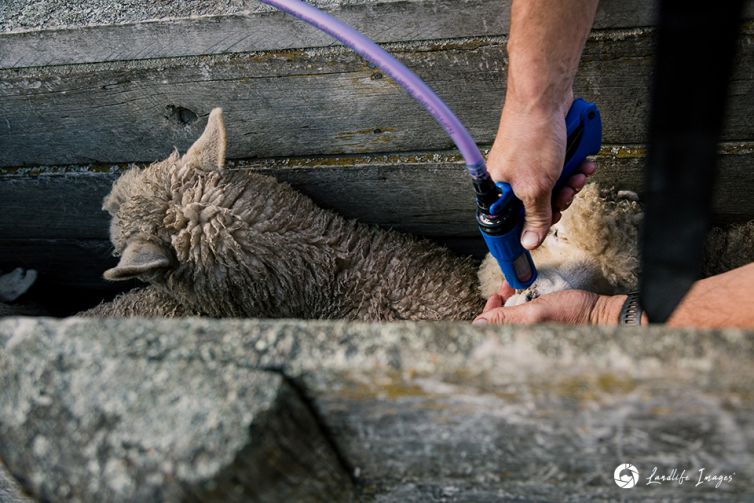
(309, 102)
(428, 194)
(189, 431)
(88, 40)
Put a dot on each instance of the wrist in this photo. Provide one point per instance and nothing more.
(607, 310)
(533, 92)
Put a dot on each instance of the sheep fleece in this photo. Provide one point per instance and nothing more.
(224, 243)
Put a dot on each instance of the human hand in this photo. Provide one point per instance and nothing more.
(573, 307)
(529, 153)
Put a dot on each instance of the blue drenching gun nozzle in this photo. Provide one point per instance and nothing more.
(500, 213)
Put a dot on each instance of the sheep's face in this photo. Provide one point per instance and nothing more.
(592, 248)
(152, 208)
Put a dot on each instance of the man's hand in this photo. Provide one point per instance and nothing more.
(544, 48)
(573, 307)
(528, 153)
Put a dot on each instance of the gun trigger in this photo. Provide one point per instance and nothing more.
(506, 194)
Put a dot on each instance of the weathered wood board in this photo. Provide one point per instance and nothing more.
(428, 194)
(170, 29)
(311, 101)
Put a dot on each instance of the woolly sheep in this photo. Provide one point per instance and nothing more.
(146, 302)
(227, 243)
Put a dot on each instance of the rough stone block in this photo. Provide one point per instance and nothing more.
(415, 412)
(79, 424)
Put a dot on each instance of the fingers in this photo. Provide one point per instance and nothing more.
(493, 302)
(574, 307)
(498, 299)
(577, 182)
(538, 218)
(588, 167)
(540, 215)
(524, 314)
(506, 291)
(563, 199)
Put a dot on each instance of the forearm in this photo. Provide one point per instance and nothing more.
(544, 50)
(725, 300)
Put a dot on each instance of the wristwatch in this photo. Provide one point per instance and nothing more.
(630, 313)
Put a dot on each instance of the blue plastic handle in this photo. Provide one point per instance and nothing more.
(581, 113)
(584, 129)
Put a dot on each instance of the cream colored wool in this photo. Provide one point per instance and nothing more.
(595, 247)
(729, 248)
(226, 243)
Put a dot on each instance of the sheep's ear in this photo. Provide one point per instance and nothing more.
(208, 153)
(138, 259)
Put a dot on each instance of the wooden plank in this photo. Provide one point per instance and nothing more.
(160, 30)
(194, 431)
(65, 206)
(309, 102)
(425, 194)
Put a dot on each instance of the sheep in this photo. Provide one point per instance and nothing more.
(144, 302)
(729, 248)
(224, 243)
(595, 247)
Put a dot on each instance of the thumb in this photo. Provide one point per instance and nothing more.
(522, 314)
(537, 220)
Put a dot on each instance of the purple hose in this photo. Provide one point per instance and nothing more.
(395, 69)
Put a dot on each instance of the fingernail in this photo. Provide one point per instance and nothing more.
(479, 321)
(530, 239)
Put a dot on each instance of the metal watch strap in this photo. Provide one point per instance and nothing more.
(630, 313)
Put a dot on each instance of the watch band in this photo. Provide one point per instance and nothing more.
(630, 313)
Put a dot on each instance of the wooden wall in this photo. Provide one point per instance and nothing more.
(78, 103)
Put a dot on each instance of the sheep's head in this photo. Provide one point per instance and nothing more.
(153, 209)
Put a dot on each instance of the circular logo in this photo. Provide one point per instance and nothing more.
(626, 476)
